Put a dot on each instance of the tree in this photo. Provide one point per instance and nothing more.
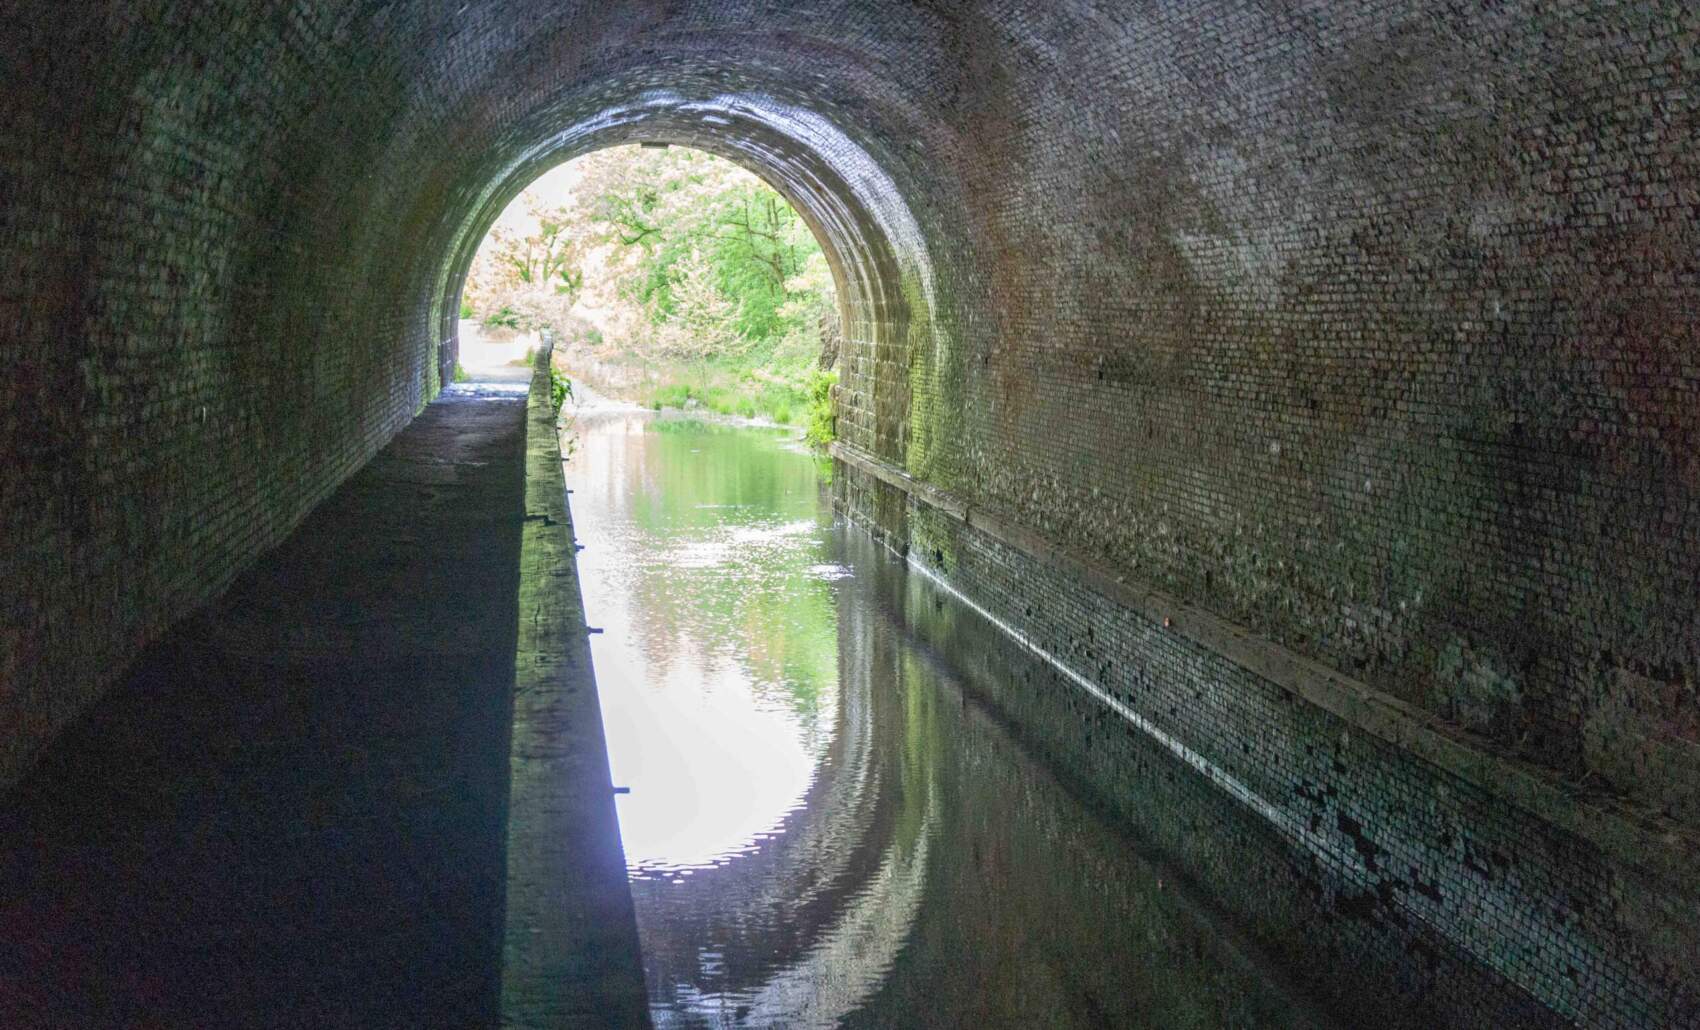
(704, 321)
(656, 208)
(530, 281)
(546, 258)
(680, 264)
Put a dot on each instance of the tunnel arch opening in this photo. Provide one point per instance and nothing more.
(881, 269)
(667, 276)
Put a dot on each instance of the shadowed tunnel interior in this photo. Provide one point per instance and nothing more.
(1316, 387)
(291, 812)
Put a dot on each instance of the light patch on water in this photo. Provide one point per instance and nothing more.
(770, 534)
(796, 766)
(711, 766)
(728, 547)
(698, 554)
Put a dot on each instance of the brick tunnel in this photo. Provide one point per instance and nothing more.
(1317, 385)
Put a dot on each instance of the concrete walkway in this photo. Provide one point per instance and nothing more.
(496, 355)
(294, 810)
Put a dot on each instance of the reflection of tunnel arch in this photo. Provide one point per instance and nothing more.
(875, 248)
(807, 924)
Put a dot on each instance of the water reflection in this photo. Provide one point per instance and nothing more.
(825, 828)
(717, 665)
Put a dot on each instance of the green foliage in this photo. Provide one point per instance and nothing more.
(560, 387)
(506, 317)
(743, 240)
(822, 425)
(728, 388)
(701, 275)
(680, 425)
(461, 374)
(672, 395)
(466, 309)
(717, 261)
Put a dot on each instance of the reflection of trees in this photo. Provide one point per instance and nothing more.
(931, 868)
(730, 583)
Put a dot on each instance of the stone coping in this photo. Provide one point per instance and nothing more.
(570, 951)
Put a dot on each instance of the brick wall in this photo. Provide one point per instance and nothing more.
(1459, 897)
(235, 232)
(1369, 328)
(203, 330)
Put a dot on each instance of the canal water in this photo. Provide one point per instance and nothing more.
(829, 822)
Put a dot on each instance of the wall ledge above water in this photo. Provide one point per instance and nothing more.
(1629, 833)
(1578, 900)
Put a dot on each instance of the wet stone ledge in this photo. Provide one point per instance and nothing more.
(570, 954)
